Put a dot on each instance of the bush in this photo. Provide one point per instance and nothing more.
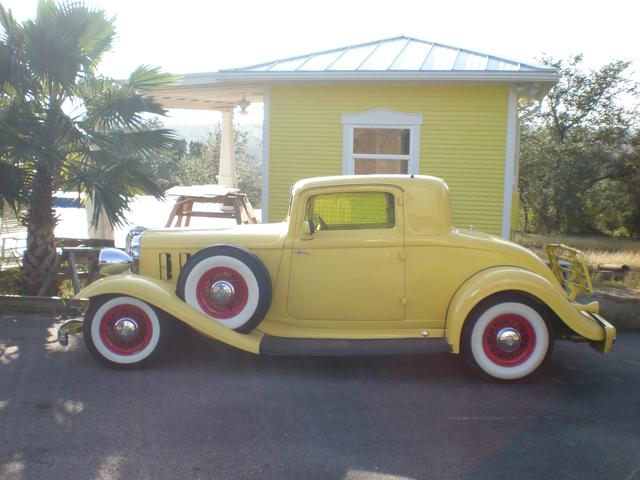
(10, 281)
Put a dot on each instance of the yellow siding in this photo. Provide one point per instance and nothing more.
(462, 139)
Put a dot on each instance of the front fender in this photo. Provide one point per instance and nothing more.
(162, 295)
(499, 279)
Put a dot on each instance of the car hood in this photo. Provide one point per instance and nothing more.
(259, 236)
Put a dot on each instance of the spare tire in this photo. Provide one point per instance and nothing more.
(227, 283)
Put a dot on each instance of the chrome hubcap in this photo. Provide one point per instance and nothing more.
(508, 339)
(126, 328)
(222, 292)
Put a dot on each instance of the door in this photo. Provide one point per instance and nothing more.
(349, 265)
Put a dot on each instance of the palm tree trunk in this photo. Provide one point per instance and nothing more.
(41, 249)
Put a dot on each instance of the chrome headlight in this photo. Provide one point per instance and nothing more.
(132, 245)
(113, 261)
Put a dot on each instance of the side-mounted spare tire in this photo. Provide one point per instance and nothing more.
(227, 283)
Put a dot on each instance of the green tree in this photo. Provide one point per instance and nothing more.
(164, 167)
(63, 126)
(630, 168)
(201, 164)
(572, 148)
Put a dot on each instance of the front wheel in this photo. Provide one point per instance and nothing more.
(506, 339)
(122, 331)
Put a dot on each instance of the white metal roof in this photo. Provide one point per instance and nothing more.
(398, 54)
(398, 59)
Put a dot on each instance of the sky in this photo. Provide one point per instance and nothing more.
(190, 36)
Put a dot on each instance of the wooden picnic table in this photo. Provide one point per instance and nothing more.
(232, 204)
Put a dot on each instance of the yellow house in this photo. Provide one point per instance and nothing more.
(398, 105)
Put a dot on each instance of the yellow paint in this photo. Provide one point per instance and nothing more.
(500, 279)
(420, 275)
(570, 268)
(462, 139)
(340, 293)
(265, 240)
(162, 295)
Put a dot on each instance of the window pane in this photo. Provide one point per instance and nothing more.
(346, 211)
(387, 141)
(369, 166)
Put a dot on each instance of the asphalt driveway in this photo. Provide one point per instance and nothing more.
(208, 411)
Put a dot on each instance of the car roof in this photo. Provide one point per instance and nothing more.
(402, 181)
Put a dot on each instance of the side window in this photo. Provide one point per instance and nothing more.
(351, 211)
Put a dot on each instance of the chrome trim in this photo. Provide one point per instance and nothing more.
(113, 261)
(126, 328)
(508, 339)
(222, 292)
(132, 245)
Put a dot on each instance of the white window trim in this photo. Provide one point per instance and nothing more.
(381, 118)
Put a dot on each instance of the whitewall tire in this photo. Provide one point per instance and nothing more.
(123, 331)
(506, 339)
(228, 284)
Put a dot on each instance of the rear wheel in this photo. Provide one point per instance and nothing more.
(122, 331)
(506, 338)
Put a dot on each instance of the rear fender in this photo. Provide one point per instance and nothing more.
(162, 295)
(501, 279)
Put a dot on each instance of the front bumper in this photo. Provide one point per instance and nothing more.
(72, 327)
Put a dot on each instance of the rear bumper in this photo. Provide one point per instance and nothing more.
(604, 345)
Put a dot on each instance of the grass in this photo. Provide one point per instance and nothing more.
(597, 250)
(619, 297)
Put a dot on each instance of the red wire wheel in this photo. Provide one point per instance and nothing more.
(126, 316)
(228, 284)
(233, 288)
(509, 357)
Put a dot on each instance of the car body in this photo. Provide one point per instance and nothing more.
(361, 265)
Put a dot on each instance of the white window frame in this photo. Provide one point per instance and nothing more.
(381, 118)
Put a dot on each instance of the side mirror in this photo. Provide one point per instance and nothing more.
(307, 229)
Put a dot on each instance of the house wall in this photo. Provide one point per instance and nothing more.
(463, 139)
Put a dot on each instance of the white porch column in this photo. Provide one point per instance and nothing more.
(227, 174)
(103, 230)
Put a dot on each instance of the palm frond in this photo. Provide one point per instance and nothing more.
(111, 106)
(12, 182)
(12, 72)
(104, 145)
(64, 41)
(135, 143)
(112, 183)
(146, 79)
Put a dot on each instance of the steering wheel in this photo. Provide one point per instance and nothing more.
(320, 223)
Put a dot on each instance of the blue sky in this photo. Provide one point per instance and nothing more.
(195, 36)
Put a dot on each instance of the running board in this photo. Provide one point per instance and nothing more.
(331, 347)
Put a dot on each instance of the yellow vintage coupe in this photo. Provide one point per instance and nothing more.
(361, 265)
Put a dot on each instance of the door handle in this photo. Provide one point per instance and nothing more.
(300, 251)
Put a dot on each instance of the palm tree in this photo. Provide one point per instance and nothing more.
(63, 126)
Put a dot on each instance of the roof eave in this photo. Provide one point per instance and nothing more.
(351, 76)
